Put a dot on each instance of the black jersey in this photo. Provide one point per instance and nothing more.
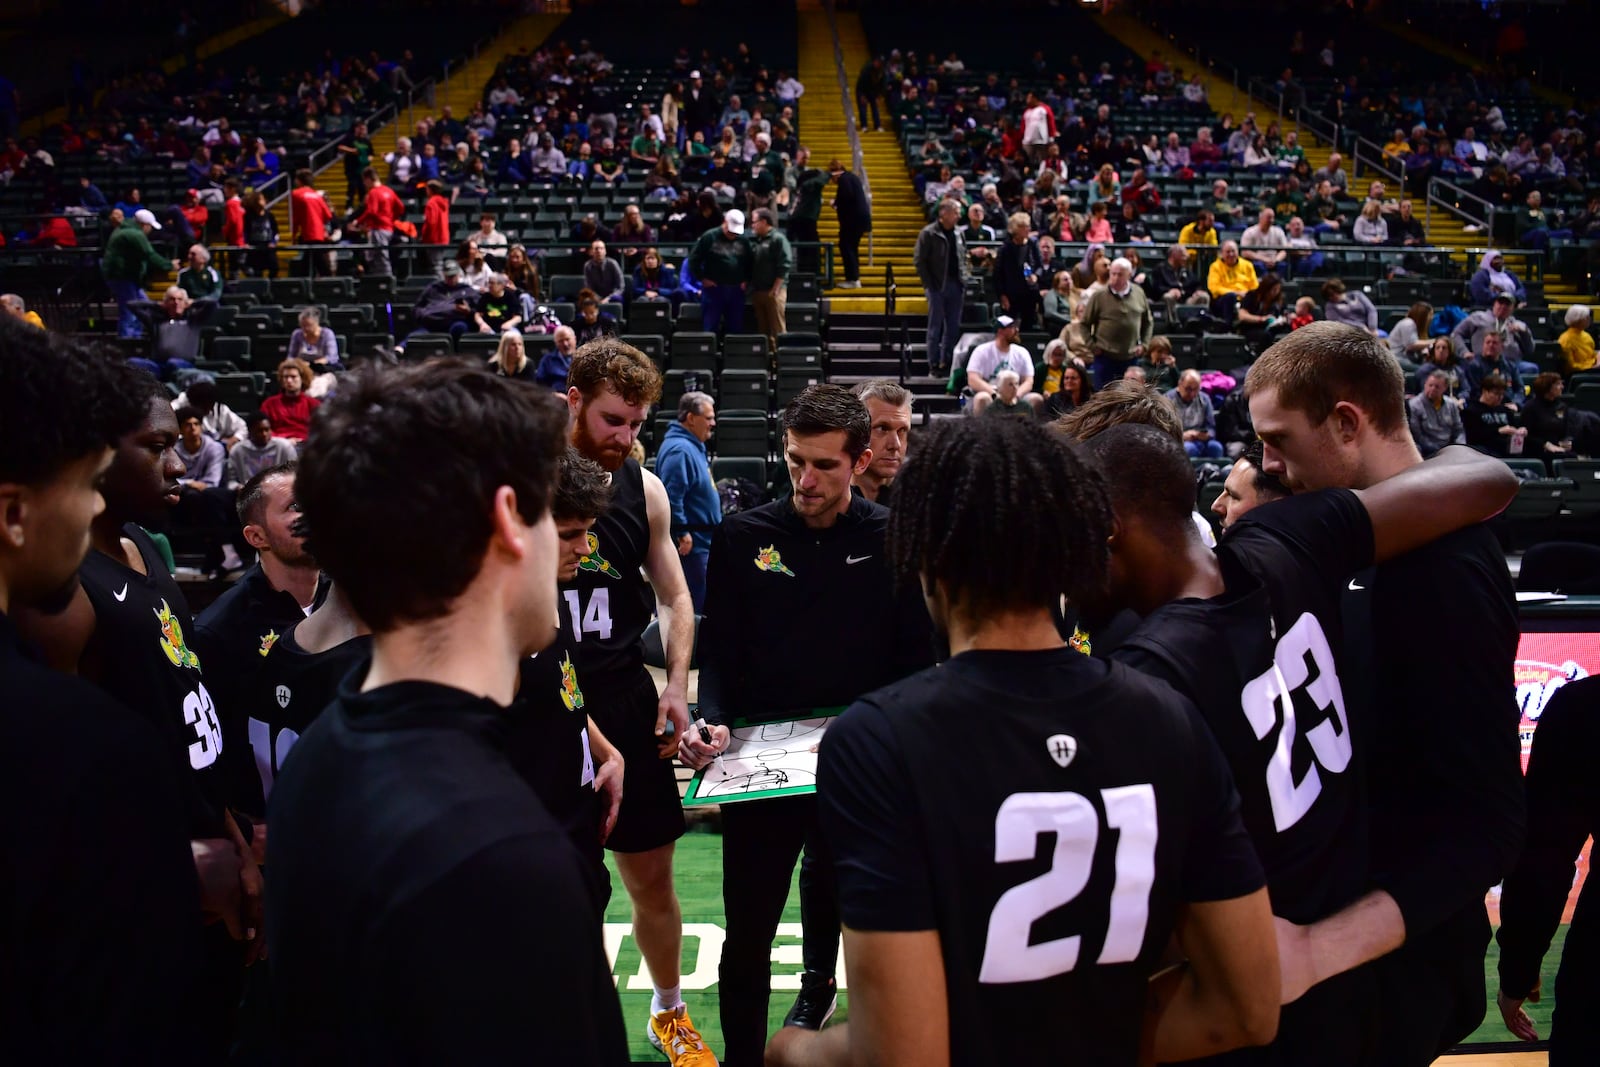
(140, 655)
(609, 603)
(425, 908)
(548, 739)
(284, 695)
(1048, 814)
(1294, 738)
(99, 942)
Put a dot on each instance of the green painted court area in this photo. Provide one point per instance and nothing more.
(699, 877)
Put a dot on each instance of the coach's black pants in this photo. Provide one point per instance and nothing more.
(761, 839)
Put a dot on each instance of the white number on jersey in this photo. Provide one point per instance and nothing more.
(1023, 817)
(269, 755)
(1273, 691)
(596, 620)
(201, 714)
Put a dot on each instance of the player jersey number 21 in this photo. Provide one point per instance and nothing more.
(1272, 692)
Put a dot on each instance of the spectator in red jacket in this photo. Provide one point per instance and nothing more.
(232, 222)
(380, 208)
(309, 215)
(435, 224)
(195, 214)
(290, 410)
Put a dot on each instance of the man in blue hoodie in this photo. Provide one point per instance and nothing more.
(684, 468)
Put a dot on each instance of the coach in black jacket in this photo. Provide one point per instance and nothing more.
(800, 613)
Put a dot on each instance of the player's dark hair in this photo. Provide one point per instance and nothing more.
(826, 409)
(252, 496)
(59, 402)
(584, 491)
(1147, 474)
(1323, 363)
(404, 464)
(254, 417)
(972, 477)
(608, 361)
(1266, 485)
(1120, 402)
(187, 412)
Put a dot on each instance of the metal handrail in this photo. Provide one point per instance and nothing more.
(851, 129)
(1321, 127)
(890, 296)
(1367, 153)
(1456, 208)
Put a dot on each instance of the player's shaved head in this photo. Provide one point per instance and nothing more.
(1147, 473)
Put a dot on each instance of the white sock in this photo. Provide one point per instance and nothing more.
(666, 999)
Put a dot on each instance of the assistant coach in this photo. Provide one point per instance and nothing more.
(800, 613)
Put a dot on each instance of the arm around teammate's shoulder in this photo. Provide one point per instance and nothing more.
(1457, 488)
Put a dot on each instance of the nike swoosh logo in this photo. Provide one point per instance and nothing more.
(856, 559)
(123, 595)
(1354, 588)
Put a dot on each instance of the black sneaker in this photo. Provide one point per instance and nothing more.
(814, 1006)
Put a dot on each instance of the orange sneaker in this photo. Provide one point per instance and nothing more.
(674, 1034)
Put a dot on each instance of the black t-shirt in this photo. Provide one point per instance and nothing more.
(99, 940)
(610, 597)
(282, 697)
(1482, 424)
(139, 654)
(425, 907)
(1295, 735)
(499, 309)
(1447, 804)
(1047, 944)
(548, 739)
(1219, 654)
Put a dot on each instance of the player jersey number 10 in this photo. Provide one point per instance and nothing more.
(1071, 817)
(1273, 691)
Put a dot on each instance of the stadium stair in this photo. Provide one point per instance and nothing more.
(1444, 229)
(1221, 93)
(896, 213)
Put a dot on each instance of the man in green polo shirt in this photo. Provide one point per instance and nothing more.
(770, 262)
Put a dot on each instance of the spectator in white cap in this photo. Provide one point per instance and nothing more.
(992, 357)
(128, 261)
(721, 261)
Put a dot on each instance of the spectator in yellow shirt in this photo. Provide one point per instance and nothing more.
(1577, 344)
(1229, 278)
(1199, 232)
(13, 304)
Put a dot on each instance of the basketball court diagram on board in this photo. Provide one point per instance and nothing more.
(763, 760)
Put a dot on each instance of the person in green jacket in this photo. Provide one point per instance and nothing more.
(128, 260)
(720, 262)
(199, 278)
(770, 262)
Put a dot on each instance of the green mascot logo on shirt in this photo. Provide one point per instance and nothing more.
(594, 561)
(769, 560)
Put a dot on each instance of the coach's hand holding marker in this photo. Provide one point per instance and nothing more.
(697, 751)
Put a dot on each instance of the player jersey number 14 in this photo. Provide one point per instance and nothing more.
(1273, 691)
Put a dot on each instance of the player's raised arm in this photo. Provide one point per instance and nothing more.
(1458, 487)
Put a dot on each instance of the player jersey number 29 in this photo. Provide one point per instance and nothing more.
(595, 619)
(1008, 955)
(1273, 691)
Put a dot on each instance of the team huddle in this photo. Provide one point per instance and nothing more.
(1100, 793)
